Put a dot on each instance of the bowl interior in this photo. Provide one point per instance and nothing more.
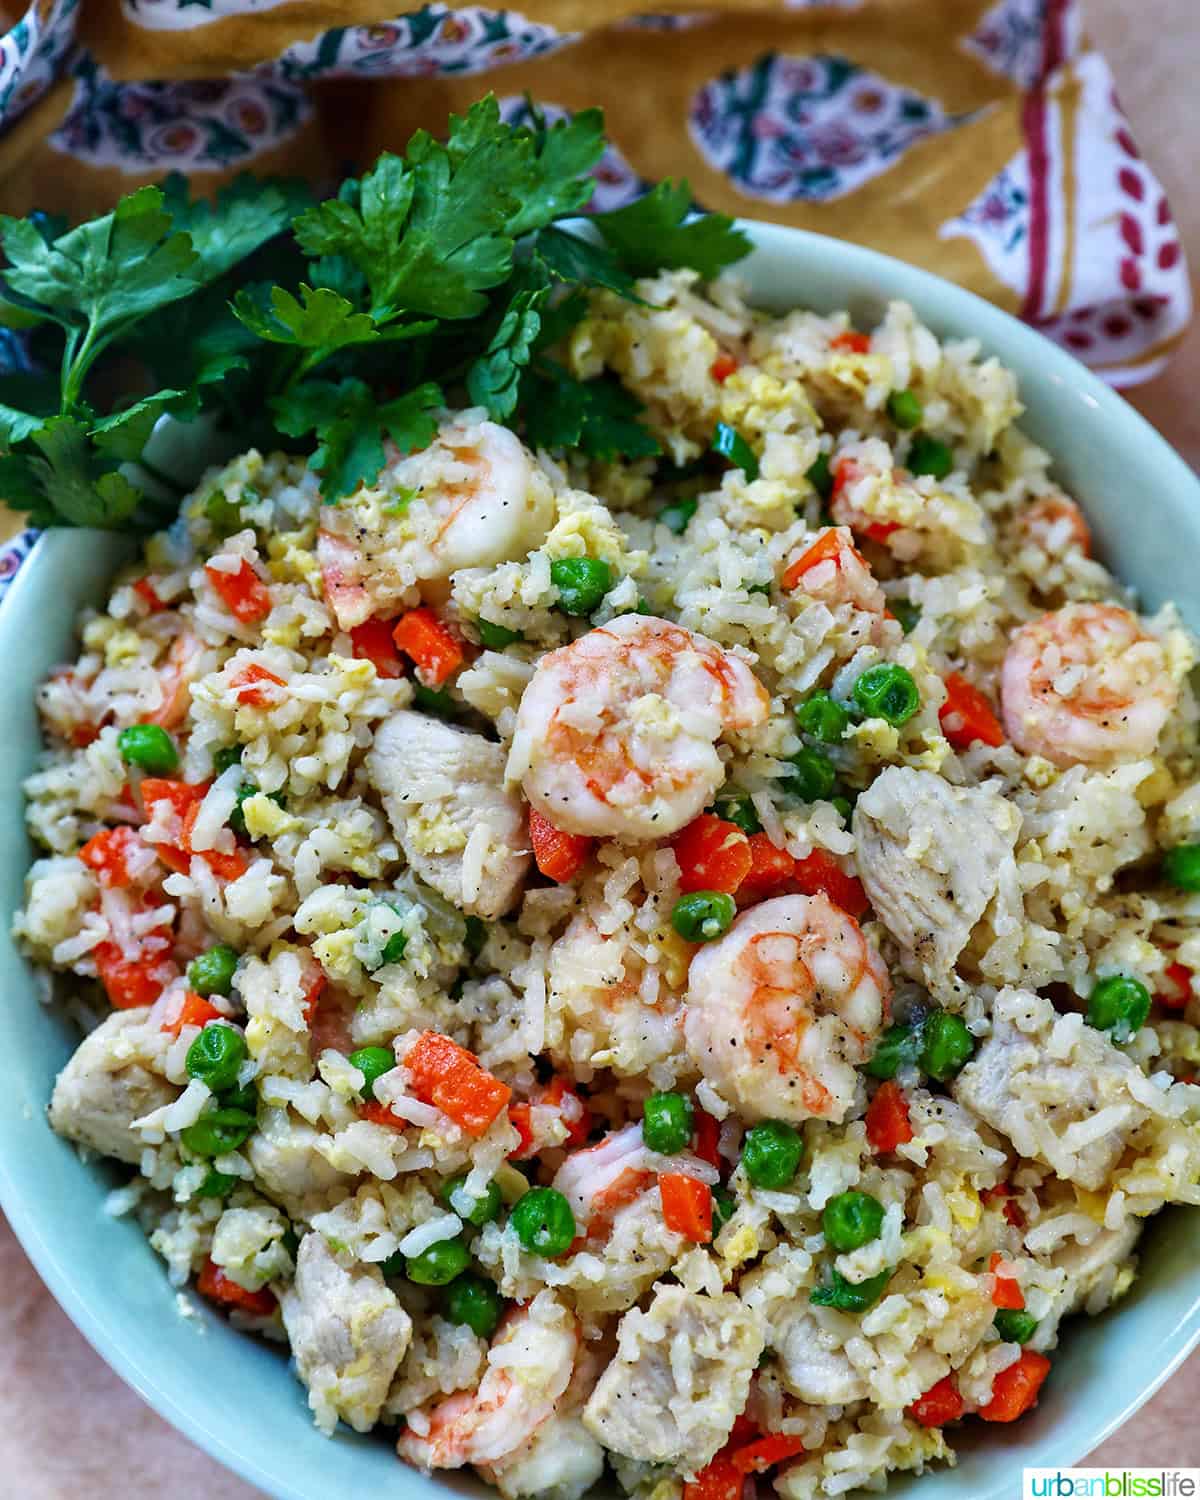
(236, 1397)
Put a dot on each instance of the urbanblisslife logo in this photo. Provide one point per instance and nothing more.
(1111, 1484)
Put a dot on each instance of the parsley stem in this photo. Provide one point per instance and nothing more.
(76, 364)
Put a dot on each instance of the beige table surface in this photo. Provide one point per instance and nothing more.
(69, 1427)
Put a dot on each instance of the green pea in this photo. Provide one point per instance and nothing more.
(496, 637)
(393, 949)
(724, 1206)
(823, 717)
(226, 756)
(896, 1048)
(394, 1266)
(476, 936)
(771, 1153)
(677, 517)
(907, 613)
(474, 1301)
(211, 972)
(1014, 1325)
(667, 1123)
(581, 583)
(730, 444)
(947, 1047)
(439, 1264)
(216, 1055)
(850, 1220)
(543, 1222)
(149, 748)
(1118, 1005)
(436, 701)
(737, 808)
(217, 1132)
(887, 691)
(813, 777)
(244, 1097)
(216, 1184)
(849, 1296)
(701, 916)
(1181, 867)
(820, 475)
(844, 806)
(905, 409)
(483, 1210)
(372, 1063)
(928, 456)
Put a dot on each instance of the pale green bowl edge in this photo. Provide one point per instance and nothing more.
(236, 1398)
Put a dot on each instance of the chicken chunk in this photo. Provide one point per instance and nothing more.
(287, 1165)
(1060, 1091)
(348, 1335)
(562, 1460)
(443, 789)
(933, 858)
(680, 1377)
(110, 1082)
(811, 1364)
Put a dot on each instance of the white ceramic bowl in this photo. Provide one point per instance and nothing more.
(236, 1397)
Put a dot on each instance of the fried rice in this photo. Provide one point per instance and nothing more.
(445, 797)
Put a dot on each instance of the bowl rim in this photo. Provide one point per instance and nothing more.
(945, 303)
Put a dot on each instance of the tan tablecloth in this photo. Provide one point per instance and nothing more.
(69, 1427)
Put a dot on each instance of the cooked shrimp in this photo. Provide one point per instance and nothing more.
(616, 733)
(472, 498)
(784, 1007)
(1055, 524)
(1086, 684)
(529, 1367)
(832, 570)
(600, 1180)
(175, 681)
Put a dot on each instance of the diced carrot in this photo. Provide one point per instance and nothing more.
(249, 686)
(879, 531)
(966, 715)
(940, 1404)
(826, 548)
(851, 342)
(686, 1205)
(520, 1117)
(147, 593)
(771, 870)
(1006, 1289)
(1015, 1389)
(722, 368)
(558, 855)
(706, 1136)
(1176, 989)
(887, 1118)
(758, 1457)
(717, 1480)
(217, 1287)
(131, 982)
(435, 650)
(185, 800)
(372, 641)
(312, 993)
(243, 593)
(576, 1116)
(1012, 1211)
(713, 855)
(819, 873)
(108, 853)
(380, 1114)
(450, 1078)
(195, 1011)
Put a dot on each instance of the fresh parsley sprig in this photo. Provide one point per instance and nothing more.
(444, 274)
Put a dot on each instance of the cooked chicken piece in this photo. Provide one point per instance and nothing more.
(1060, 1091)
(811, 1365)
(443, 789)
(680, 1377)
(109, 1083)
(348, 1335)
(1092, 1268)
(933, 858)
(287, 1165)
